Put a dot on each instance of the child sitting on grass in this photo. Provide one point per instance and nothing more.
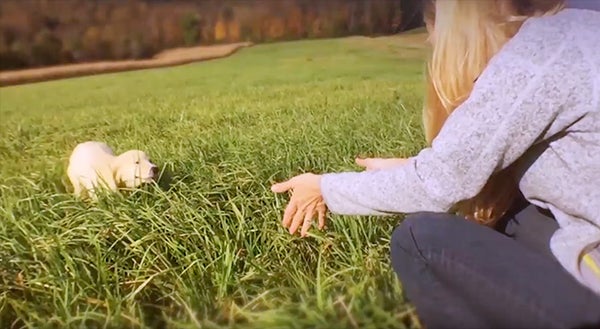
(504, 205)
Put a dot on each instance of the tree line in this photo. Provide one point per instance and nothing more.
(36, 33)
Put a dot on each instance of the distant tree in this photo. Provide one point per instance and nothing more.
(227, 28)
(10, 60)
(103, 13)
(295, 26)
(91, 42)
(51, 23)
(228, 14)
(119, 40)
(12, 53)
(275, 28)
(171, 31)
(220, 30)
(190, 25)
(338, 22)
(9, 35)
(140, 47)
(367, 17)
(233, 31)
(46, 49)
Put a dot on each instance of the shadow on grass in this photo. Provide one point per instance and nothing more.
(165, 179)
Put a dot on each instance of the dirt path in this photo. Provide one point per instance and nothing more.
(166, 58)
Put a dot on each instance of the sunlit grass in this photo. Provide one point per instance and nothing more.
(204, 247)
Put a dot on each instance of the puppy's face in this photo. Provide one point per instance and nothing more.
(133, 168)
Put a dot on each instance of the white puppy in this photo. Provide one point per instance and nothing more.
(93, 165)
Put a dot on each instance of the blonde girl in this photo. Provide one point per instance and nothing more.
(503, 225)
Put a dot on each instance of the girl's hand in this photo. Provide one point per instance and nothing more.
(379, 163)
(305, 203)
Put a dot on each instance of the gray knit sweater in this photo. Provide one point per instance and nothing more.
(537, 104)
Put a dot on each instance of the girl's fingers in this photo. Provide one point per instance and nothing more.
(321, 211)
(310, 211)
(297, 220)
(362, 162)
(283, 186)
(291, 208)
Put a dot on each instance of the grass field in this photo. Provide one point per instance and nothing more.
(205, 247)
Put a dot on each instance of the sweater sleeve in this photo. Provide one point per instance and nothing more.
(511, 107)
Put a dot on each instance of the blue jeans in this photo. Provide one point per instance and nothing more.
(459, 274)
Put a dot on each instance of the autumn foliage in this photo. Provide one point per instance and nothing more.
(36, 33)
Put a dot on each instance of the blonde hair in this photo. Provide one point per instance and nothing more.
(465, 35)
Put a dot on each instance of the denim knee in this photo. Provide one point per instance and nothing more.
(402, 236)
(419, 227)
(403, 245)
(418, 230)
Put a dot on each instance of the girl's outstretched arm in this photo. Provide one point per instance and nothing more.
(523, 97)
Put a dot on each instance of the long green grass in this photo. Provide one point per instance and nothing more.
(204, 248)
